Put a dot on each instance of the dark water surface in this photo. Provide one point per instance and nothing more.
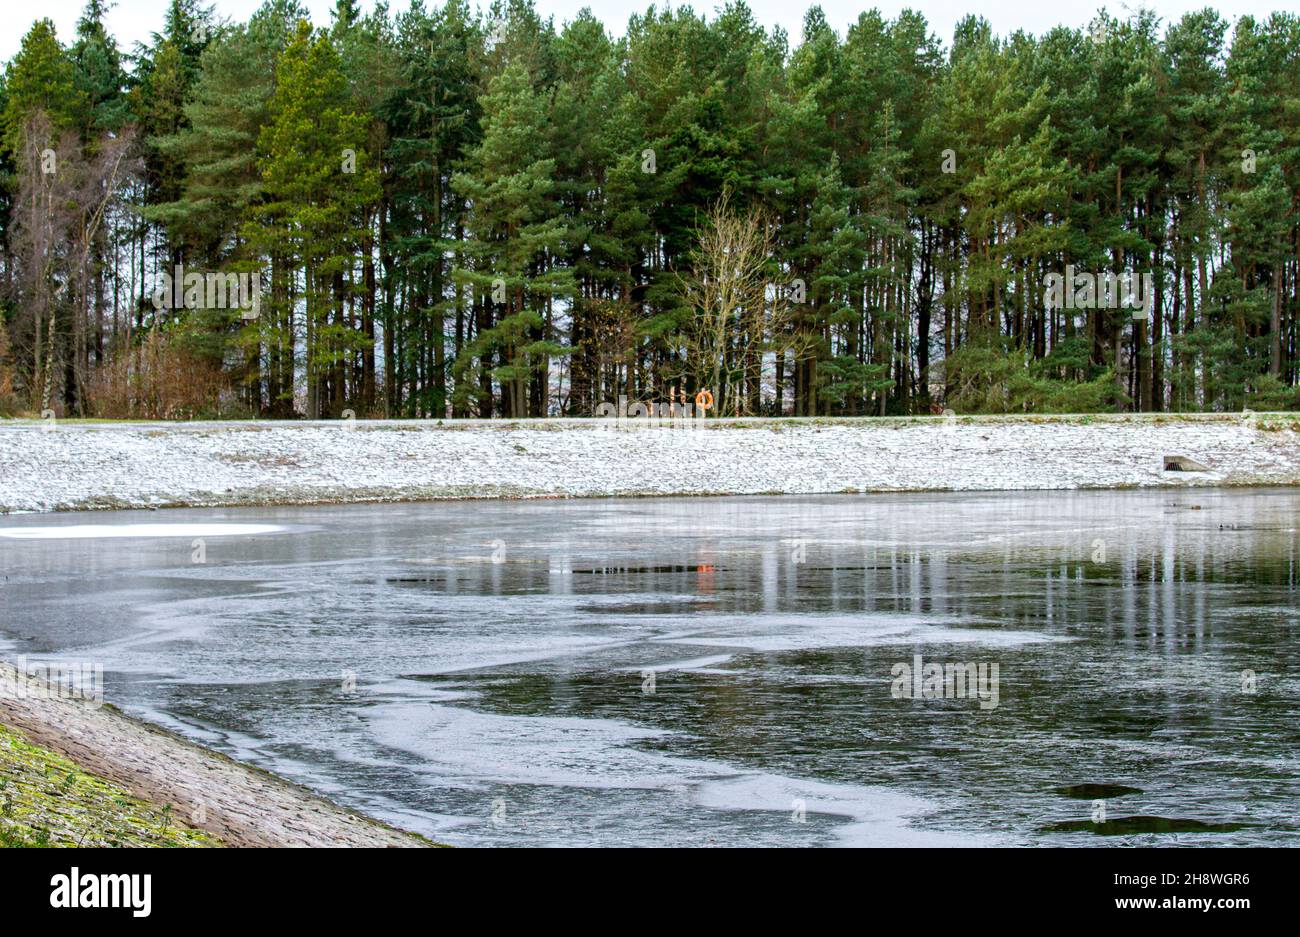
(719, 671)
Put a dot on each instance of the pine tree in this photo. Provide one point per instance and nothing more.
(100, 77)
(318, 180)
(431, 118)
(41, 77)
(517, 230)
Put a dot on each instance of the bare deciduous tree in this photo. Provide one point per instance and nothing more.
(63, 195)
(735, 318)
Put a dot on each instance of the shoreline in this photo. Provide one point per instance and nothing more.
(109, 466)
(91, 466)
(233, 803)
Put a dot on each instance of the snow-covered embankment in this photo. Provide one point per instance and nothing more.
(77, 466)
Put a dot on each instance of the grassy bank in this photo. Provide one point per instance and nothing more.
(91, 775)
(47, 800)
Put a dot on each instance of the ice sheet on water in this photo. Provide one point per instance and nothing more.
(559, 751)
(100, 531)
(880, 815)
(572, 756)
(796, 632)
(710, 664)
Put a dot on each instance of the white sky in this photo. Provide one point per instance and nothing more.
(133, 20)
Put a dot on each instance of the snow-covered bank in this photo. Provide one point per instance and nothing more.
(78, 466)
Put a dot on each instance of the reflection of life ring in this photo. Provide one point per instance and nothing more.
(704, 400)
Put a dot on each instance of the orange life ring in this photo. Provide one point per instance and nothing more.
(704, 400)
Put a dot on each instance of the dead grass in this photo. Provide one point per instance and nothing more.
(158, 380)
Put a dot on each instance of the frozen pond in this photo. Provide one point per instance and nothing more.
(713, 671)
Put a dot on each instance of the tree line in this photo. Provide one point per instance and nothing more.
(453, 212)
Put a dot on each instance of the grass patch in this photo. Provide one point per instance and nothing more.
(47, 800)
(1271, 423)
